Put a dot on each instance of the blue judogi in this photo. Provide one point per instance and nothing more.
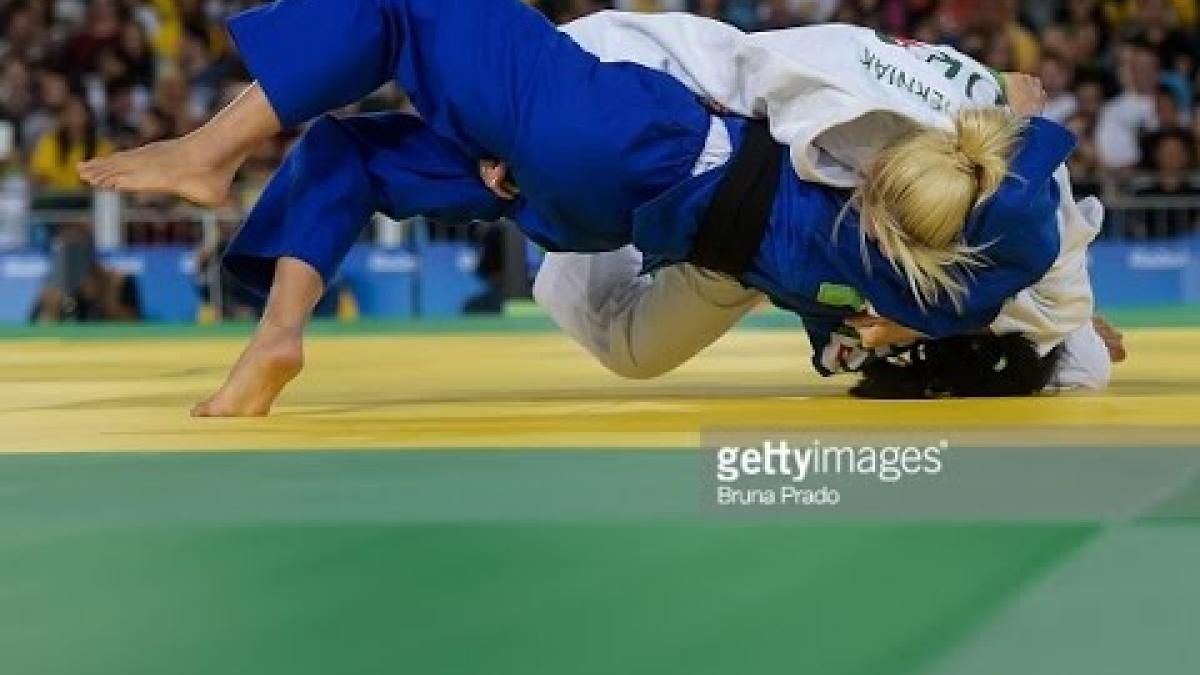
(813, 245)
(603, 154)
(493, 78)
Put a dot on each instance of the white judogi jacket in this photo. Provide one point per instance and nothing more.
(836, 94)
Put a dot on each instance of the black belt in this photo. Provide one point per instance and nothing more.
(733, 228)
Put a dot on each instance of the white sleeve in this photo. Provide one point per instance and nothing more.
(1062, 301)
(701, 53)
(639, 326)
(834, 93)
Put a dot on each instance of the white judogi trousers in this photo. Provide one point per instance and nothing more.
(642, 326)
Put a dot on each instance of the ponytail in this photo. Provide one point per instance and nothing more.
(921, 189)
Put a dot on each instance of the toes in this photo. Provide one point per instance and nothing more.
(210, 408)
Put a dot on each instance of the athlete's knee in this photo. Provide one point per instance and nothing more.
(629, 367)
(637, 372)
(543, 283)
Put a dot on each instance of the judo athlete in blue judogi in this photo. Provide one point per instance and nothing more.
(604, 154)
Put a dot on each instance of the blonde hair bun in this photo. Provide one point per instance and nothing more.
(919, 192)
(987, 138)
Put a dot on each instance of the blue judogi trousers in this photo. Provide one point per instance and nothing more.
(340, 173)
(587, 142)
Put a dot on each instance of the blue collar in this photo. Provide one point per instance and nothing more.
(1029, 196)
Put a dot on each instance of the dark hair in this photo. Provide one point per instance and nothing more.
(1181, 136)
(90, 137)
(966, 366)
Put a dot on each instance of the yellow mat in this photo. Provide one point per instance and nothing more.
(527, 391)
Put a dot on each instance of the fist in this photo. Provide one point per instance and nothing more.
(877, 332)
(495, 176)
(1026, 95)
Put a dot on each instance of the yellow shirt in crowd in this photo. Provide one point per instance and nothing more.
(1120, 11)
(54, 170)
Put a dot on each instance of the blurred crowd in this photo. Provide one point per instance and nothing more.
(1121, 73)
(80, 78)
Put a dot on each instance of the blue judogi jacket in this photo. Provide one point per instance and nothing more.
(812, 261)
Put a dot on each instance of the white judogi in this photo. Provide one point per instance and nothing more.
(835, 94)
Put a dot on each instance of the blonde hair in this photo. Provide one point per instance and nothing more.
(918, 193)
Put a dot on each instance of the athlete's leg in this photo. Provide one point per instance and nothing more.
(199, 166)
(342, 172)
(639, 326)
(465, 64)
(339, 174)
(275, 354)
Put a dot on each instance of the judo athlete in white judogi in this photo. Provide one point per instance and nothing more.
(837, 93)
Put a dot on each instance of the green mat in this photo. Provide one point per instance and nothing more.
(522, 320)
(460, 562)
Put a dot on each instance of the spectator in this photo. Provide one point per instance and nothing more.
(82, 288)
(52, 93)
(1196, 126)
(125, 105)
(16, 93)
(24, 34)
(815, 11)
(203, 67)
(712, 9)
(1174, 164)
(1058, 79)
(776, 14)
(1156, 24)
(174, 99)
(101, 30)
(1170, 116)
(1123, 120)
(1089, 96)
(14, 191)
(134, 48)
(1184, 12)
(73, 139)
(1084, 166)
(1057, 42)
(999, 21)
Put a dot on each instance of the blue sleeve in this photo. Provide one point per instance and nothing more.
(313, 56)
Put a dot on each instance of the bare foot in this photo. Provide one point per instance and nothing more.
(181, 167)
(274, 357)
(1114, 340)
